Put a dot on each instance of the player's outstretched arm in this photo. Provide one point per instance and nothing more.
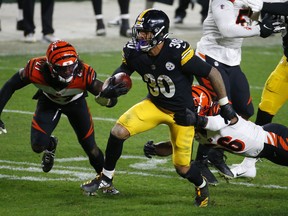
(13, 84)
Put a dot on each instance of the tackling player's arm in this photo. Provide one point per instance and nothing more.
(94, 86)
(17, 81)
(114, 91)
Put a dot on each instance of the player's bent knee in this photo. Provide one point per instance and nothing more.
(120, 132)
(39, 144)
(37, 148)
(182, 170)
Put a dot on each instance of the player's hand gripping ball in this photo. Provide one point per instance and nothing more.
(117, 85)
(123, 78)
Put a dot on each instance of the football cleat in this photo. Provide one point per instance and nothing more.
(100, 28)
(224, 170)
(216, 158)
(205, 171)
(48, 156)
(49, 38)
(246, 169)
(105, 182)
(30, 38)
(110, 190)
(90, 187)
(202, 196)
(100, 182)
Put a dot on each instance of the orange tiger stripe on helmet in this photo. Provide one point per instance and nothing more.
(61, 53)
(202, 99)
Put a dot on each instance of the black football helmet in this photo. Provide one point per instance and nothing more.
(154, 21)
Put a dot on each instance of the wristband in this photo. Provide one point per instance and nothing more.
(223, 101)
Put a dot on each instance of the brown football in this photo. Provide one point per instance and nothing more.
(120, 77)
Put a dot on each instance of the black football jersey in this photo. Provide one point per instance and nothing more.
(169, 75)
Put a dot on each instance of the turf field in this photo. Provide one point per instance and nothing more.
(147, 186)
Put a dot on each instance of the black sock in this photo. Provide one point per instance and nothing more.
(113, 152)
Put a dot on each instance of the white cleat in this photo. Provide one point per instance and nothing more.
(246, 169)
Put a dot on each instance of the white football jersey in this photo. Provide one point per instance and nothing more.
(244, 137)
(224, 28)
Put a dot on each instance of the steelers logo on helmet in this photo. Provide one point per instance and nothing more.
(150, 29)
(202, 99)
(62, 59)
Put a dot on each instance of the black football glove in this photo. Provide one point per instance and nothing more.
(188, 118)
(2, 127)
(227, 112)
(114, 91)
(149, 149)
(112, 102)
(270, 24)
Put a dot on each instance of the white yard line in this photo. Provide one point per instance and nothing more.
(76, 173)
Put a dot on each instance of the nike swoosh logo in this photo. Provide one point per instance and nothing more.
(240, 174)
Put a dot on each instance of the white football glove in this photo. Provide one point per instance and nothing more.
(2, 127)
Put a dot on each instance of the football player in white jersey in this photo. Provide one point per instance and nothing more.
(238, 136)
(274, 94)
(227, 24)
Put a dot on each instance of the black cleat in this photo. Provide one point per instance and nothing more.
(100, 28)
(202, 196)
(205, 171)
(48, 156)
(216, 157)
(90, 187)
(125, 29)
(100, 182)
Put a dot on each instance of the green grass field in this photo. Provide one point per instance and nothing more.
(147, 186)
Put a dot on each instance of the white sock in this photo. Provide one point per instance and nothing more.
(203, 184)
(108, 173)
(99, 16)
(124, 16)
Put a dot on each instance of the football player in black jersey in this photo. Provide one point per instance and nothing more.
(167, 66)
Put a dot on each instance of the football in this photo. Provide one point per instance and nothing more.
(120, 77)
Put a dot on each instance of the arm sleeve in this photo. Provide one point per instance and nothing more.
(224, 17)
(13, 84)
(215, 123)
